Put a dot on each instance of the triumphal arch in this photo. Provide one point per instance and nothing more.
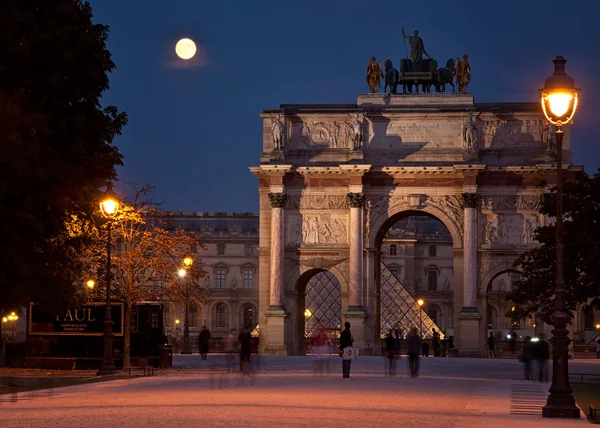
(333, 180)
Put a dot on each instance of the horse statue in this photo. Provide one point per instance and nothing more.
(445, 76)
(391, 77)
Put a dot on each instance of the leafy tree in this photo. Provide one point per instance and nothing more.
(56, 147)
(148, 254)
(581, 226)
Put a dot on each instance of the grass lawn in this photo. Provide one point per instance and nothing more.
(16, 385)
(586, 395)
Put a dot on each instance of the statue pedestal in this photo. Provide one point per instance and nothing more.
(416, 100)
(470, 155)
(469, 346)
(275, 331)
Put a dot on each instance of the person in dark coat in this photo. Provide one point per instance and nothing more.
(346, 341)
(245, 350)
(414, 344)
(435, 342)
(203, 340)
(390, 350)
(526, 357)
(541, 355)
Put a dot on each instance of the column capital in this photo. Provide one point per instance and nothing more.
(277, 200)
(356, 200)
(470, 200)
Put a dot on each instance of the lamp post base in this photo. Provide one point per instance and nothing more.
(564, 410)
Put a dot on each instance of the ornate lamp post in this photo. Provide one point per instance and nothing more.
(420, 302)
(187, 349)
(109, 208)
(559, 99)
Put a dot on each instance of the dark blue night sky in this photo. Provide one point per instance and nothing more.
(194, 128)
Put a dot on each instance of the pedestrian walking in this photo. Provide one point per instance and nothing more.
(526, 357)
(203, 340)
(391, 352)
(425, 349)
(491, 343)
(346, 350)
(414, 345)
(230, 348)
(541, 355)
(245, 351)
(435, 342)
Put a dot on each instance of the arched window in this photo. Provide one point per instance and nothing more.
(393, 250)
(220, 249)
(432, 251)
(220, 316)
(193, 315)
(248, 319)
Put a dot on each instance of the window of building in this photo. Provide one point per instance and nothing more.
(432, 280)
(193, 315)
(220, 315)
(248, 250)
(248, 276)
(154, 322)
(220, 249)
(220, 278)
(393, 250)
(432, 251)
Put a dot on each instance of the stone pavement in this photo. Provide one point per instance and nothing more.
(285, 392)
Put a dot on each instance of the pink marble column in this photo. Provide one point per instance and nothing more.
(355, 287)
(277, 201)
(470, 250)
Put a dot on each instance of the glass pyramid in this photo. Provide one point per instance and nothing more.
(400, 311)
(323, 305)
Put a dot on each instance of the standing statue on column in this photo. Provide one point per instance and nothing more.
(277, 133)
(470, 142)
(463, 73)
(357, 137)
(374, 75)
(417, 50)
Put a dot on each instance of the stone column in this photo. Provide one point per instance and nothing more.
(276, 273)
(470, 342)
(355, 286)
(470, 252)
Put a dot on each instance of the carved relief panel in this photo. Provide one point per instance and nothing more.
(498, 133)
(317, 229)
(508, 229)
(319, 134)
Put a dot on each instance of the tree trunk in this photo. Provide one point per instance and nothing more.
(127, 336)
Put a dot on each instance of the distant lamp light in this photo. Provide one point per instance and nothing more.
(90, 283)
(512, 309)
(535, 339)
(181, 272)
(420, 302)
(508, 336)
(188, 262)
(109, 206)
(307, 313)
(598, 326)
(177, 322)
(4, 319)
(559, 96)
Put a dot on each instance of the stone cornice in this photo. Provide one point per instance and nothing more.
(270, 170)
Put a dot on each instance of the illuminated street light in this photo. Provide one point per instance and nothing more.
(307, 313)
(90, 283)
(109, 207)
(187, 262)
(181, 272)
(559, 99)
(421, 302)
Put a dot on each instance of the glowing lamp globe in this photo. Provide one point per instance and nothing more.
(181, 272)
(185, 49)
(188, 262)
(559, 96)
(420, 302)
(90, 284)
(109, 206)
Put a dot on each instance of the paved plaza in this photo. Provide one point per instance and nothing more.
(286, 392)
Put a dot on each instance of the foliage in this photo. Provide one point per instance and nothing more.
(148, 253)
(581, 208)
(56, 150)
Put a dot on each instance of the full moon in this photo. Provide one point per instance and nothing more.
(185, 49)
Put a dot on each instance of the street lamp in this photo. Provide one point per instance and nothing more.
(559, 99)
(12, 319)
(187, 349)
(420, 303)
(109, 208)
(90, 284)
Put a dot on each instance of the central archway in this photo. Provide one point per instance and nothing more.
(414, 258)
